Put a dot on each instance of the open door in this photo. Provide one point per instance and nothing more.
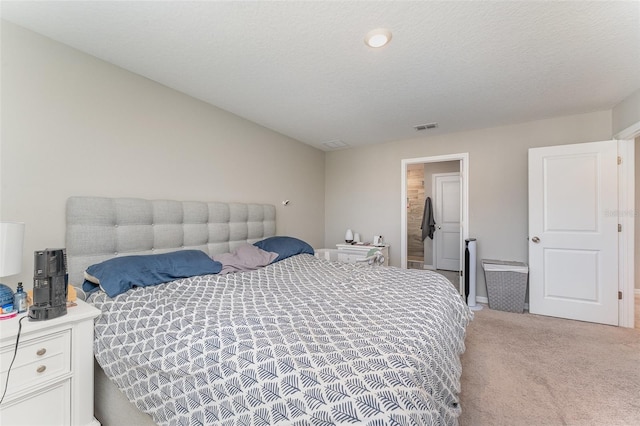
(573, 231)
(463, 158)
(446, 239)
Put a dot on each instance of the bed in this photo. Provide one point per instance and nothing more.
(301, 341)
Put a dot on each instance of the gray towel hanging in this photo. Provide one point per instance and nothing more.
(428, 222)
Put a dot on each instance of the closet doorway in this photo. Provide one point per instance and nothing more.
(424, 178)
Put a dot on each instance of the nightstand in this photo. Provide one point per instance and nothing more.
(351, 253)
(51, 380)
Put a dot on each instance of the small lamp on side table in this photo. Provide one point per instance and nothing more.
(11, 243)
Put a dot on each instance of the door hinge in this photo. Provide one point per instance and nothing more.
(619, 227)
(619, 295)
(619, 160)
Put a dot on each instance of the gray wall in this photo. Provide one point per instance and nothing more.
(369, 199)
(76, 125)
(626, 113)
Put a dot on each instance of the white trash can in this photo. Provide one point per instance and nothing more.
(506, 284)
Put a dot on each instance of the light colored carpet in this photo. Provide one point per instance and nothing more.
(523, 369)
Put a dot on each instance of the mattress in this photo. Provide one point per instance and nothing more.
(301, 341)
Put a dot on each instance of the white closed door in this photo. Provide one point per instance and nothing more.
(446, 239)
(573, 232)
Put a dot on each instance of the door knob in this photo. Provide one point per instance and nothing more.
(535, 240)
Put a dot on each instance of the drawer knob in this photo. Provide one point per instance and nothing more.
(41, 369)
(41, 351)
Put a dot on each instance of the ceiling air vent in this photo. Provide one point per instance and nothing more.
(427, 126)
(335, 144)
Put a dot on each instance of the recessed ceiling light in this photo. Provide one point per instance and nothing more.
(377, 38)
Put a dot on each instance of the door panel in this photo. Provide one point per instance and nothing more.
(447, 217)
(571, 274)
(450, 245)
(565, 208)
(573, 264)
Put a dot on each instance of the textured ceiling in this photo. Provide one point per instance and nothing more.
(302, 68)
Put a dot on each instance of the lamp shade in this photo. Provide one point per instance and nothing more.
(11, 242)
(348, 236)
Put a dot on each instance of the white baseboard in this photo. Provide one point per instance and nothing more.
(484, 300)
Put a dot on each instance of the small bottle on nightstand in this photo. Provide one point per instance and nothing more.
(20, 299)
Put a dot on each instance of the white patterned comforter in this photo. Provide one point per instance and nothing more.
(303, 341)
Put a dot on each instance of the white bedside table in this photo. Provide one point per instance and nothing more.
(351, 253)
(51, 380)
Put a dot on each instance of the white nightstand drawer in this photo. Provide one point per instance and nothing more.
(38, 360)
(350, 257)
(54, 397)
(352, 253)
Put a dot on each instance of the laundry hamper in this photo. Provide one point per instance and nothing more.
(506, 284)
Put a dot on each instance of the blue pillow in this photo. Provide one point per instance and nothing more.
(117, 275)
(284, 246)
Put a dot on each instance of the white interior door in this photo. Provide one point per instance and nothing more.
(446, 239)
(573, 232)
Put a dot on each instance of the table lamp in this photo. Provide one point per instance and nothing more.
(11, 243)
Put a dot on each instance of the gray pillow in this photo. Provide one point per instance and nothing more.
(245, 258)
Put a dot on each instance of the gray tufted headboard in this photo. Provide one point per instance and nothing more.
(101, 228)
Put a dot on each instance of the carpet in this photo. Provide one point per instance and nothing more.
(524, 369)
